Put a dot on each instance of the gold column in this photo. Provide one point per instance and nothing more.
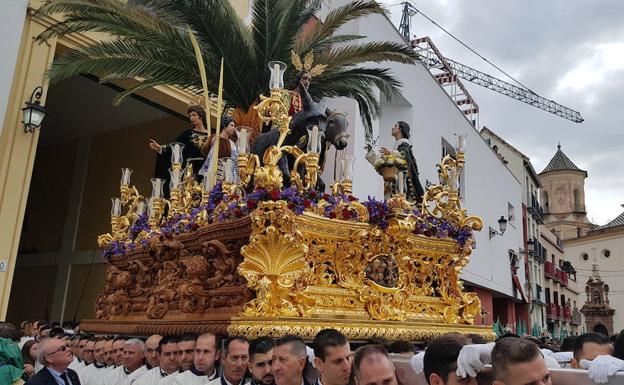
(18, 149)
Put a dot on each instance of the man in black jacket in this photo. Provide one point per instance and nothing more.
(55, 356)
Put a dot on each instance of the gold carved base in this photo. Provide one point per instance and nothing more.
(355, 330)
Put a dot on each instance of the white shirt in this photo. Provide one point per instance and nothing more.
(132, 377)
(188, 378)
(92, 374)
(77, 365)
(117, 376)
(152, 377)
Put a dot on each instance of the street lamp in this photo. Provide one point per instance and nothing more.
(34, 112)
(502, 225)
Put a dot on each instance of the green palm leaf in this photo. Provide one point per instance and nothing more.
(149, 41)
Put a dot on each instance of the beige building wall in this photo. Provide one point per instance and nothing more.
(604, 248)
(563, 198)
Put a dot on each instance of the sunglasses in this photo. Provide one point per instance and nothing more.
(61, 349)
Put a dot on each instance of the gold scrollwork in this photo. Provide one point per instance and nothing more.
(275, 265)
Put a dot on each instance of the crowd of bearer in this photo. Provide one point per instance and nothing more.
(54, 356)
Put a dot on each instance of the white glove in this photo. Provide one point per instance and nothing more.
(417, 362)
(551, 362)
(473, 358)
(563, 357)
(601, 367)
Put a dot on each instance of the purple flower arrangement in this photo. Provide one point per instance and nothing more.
(334, 207)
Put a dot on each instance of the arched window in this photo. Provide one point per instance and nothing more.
(578, 206)
(545, 201)
(597, 299)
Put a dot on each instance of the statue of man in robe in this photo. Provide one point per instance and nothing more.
(402, 147)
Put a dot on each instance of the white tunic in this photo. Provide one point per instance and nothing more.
(76, 365)
(92, 374)
(132, 377)
(152, 377)
(117, 376)
(188, 378)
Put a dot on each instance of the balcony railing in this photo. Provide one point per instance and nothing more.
(563, 277)
(536, 210)
(552, 311)
(567, 313)
(537, 298)
(549, 270)
(557, 275)
(539, 251)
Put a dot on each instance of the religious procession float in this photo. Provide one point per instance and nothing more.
(262, 249)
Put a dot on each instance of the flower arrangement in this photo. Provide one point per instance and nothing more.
(221, 207)
(389, 165)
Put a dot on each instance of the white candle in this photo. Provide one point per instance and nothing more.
(151, 212)
(140, 209)
(157, 187)
(243, 138)
(400, 183)
(461, 143)
(125, 176)
(347, 167)
(314, 139)
(116, 207)
(176, 153)
(228, 171)
(276, 69)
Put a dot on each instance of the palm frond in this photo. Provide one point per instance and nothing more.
(150, 42)
(376, 52)
(333, 21)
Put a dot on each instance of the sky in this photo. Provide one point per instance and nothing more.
(570, 51)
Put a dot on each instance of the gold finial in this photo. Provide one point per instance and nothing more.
(306, 66)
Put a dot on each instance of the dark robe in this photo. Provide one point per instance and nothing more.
(193, 142)
(414, 188)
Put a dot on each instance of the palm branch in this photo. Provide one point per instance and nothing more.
(150, 42)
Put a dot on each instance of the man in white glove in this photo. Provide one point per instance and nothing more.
(589, 346)
(440, 361)
(602, 367)
(517, 361)
(473, 358)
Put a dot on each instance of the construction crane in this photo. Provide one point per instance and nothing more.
(448, 73)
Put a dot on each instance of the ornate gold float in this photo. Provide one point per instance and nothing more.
(276, 262)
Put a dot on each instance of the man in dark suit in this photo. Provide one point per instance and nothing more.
(55, 356)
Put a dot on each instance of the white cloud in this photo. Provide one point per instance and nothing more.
(599, 65)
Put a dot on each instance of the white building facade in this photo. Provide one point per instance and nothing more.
(488, 188)
(529, 218)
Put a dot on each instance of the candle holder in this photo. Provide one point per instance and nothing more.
(176, 155)
(273, 111)
(155, 210)
(309, 162)
(246, 164)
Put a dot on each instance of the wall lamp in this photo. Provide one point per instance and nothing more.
(34, 112)
(502, 225)
(530, 248)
